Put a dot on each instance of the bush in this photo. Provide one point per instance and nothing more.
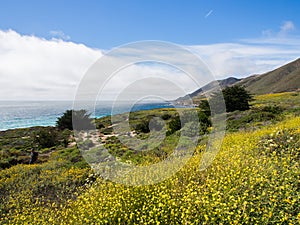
(188, 118)
(272, 109)
(166, 116)
(174, 125)
(86, 145)
(46, 138)
(143, 126)
(265, 114)
(205, 122)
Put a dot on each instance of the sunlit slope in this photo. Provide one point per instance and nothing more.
(282, 79)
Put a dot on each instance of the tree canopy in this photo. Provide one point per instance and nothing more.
(235, 97)
(204, 106)
(80, 117)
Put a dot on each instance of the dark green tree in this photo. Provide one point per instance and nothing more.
(204, 107)
(80, 117)
(235, 97)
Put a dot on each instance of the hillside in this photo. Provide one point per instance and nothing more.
(283, 79)
(254, 178)
(210, 87)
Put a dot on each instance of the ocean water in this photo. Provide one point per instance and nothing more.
(20, 114)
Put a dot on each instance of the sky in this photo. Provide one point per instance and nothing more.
(46, 47)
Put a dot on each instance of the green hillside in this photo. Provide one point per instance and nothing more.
(282, 79)
(253, 180)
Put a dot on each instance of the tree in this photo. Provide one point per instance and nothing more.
(80, 117)
(235, 97)
(204, 107)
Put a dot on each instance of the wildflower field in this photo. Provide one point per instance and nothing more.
(255, 179)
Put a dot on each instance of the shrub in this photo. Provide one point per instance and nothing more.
(166, 116)
(188, 118)
(86, 145)
(143, 126)
(272, 109)
(174, 125)
(205, 122)
(265, 114)
(46, 138)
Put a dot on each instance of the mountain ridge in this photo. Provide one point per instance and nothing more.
(285, 78)
(282, 79)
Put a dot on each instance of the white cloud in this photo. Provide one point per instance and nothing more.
(248, 57)
(58, 34)
(36, 68)
(39, 69)
(251, 56)
(142, 80)
(284, 30)
(286, 27)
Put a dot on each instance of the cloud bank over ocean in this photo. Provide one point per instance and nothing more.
(34, 68)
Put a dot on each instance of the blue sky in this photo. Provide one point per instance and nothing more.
(106, 24)
(47, 46)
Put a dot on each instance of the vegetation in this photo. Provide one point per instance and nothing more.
(282, 79)
(204, 107)
(15, 145)
(79, 117)
(47, 138)
(235, 97)
(253, 180)
(253, 118)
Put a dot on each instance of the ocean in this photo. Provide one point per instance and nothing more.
(21, 114)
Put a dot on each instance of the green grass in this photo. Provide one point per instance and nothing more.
(283, 79)
(61, 186)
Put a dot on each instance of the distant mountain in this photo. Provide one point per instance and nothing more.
(210, 87)
(283, 79)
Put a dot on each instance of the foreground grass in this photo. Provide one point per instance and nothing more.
(253, 180)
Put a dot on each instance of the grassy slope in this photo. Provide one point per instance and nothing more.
(249, 182)
(243, 185)
(283, 79)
